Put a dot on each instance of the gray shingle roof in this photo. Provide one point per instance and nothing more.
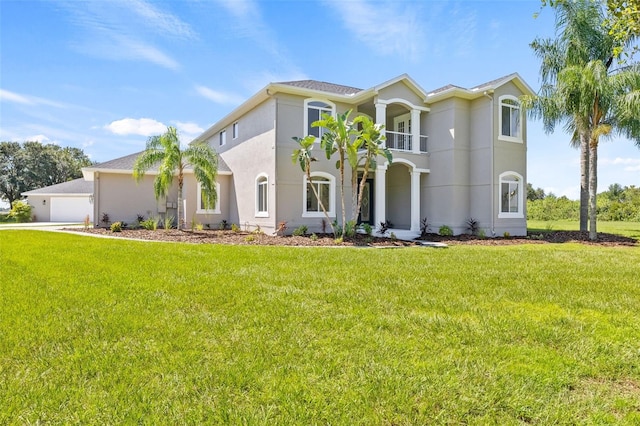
(76, 186)
(127, 162)
(492, 82)
(323, 86)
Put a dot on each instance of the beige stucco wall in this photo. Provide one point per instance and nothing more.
(445, 196)
(40, 212)
(251, 155)
(400, 91)
(122, 198)
(290, 177)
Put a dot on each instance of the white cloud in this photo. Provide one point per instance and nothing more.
(41, 138)
(162, 22)
(115, 30)
(139, 126)
(571, 192)
(18, 98)
(630, 164)
(388, 28)
(191, 128)
(219, 97)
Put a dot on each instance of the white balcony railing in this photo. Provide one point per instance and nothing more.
(404, 141)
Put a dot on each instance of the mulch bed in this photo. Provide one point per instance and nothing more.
(360, 240)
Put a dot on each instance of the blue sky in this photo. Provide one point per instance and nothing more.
(105, 75)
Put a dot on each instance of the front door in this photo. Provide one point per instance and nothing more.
(366, 209)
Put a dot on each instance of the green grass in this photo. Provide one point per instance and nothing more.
(628, 229)
(102, 331)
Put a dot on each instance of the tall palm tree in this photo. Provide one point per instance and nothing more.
(581, 38)
(165, 151)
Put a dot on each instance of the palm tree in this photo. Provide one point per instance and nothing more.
(340, 137)
(165, 151)
(581, 90)
(372, 142)
(302, 155)
(581, 38)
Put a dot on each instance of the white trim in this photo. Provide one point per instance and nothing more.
(520, 181)
(509, 138)
(402, 102)
(307, 101)
(222, 137)
(216, 210)
(259, 213)
(331, 208)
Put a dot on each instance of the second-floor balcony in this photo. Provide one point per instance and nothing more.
(404, 142)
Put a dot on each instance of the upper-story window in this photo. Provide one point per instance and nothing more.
(313, 112)
(223, 137)
(510, 119)
(511, 195)
(235, 130)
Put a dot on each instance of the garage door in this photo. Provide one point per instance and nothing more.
(70, 209)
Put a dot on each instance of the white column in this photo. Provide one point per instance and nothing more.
(381, 118)
(380, 194)
(415, 201)
(415, 131)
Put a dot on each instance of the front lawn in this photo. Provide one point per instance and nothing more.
(103, 331)
(627, 229)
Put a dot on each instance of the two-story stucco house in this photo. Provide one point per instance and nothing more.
(457, 154)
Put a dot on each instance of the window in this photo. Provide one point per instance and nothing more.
(313, 113)
(511, 195)
(325, 186)
(510, 122)
(201, 208)
(235, 130)
(262, 196)
(223, 137)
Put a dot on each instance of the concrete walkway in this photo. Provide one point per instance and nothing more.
(46, 226)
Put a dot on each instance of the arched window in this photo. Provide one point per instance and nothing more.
(511, 196)
(201, 207)
(262, 195)
(313, 110)
(510, 119)
(325, 185)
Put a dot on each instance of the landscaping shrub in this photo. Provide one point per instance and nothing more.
(116, 227)
(445, 231)
(300, 231)
(20, 211)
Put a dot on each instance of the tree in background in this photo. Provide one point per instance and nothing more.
(624, 23)
(32, 165)
(164, 151)
(534, 194)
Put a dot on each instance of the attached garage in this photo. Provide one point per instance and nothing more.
(71, 209)
(65, 202)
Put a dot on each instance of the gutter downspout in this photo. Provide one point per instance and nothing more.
(489, 94)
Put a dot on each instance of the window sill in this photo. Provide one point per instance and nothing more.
(207, 211)
(509, 139)
(262, 214)
(318, 214)
(510, 216)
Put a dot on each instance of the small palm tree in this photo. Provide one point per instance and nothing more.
(165, 151)
(371, 145)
